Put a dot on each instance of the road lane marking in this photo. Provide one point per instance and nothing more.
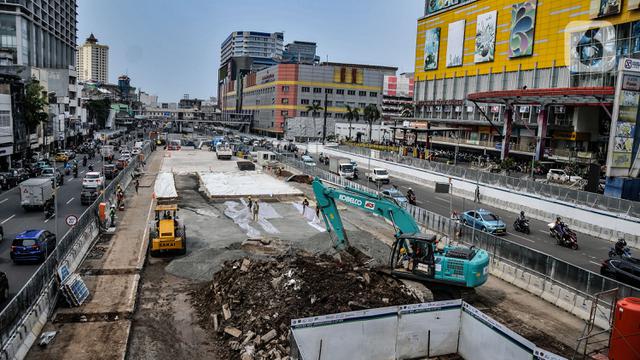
(441, 199)
(522, 237)
(7, 219)
(70, 200)
(3, 201)
(46, 220)
(595, 263)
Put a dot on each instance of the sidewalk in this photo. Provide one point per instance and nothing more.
(100, 328)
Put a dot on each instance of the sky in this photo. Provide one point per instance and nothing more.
(172, 48)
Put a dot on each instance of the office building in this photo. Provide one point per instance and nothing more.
(93, 61)
(264, 48)
(397, 96)
(282, 93)
(522, 79)
(39, 33)
(301, 52)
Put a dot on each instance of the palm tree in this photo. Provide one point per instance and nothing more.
(35, 109)
(371, 114)
(352, 115)
(407, 110)
(314, 110)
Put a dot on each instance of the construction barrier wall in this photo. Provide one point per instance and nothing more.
(409, 332)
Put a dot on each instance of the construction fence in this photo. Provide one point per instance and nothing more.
(550, 191)
(552, 274)
(42, 281)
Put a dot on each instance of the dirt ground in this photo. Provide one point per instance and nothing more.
(166, 324)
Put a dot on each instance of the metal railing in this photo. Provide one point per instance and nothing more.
(554, 270)
(43, 278)
(551, 191)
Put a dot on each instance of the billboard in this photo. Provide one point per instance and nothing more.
(400, 86)
(455, 43)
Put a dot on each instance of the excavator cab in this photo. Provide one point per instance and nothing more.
(413, 256)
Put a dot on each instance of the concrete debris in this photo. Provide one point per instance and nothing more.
(265, 295)
(233, 331)
(46, 337)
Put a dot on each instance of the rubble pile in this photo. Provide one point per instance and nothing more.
(249, 304)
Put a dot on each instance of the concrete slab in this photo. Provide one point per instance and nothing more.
(110, 294)
(185, 162)
(81, 341)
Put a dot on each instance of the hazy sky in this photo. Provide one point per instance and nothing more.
(172, 48)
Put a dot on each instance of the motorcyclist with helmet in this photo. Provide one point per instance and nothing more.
(620, 247)
(411, 196)
(559, 227)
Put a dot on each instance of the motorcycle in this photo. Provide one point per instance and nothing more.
(568, 239)
(522, 226)
(355, 174)
(626, 253)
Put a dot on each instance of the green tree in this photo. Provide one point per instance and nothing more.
(35, 108)
(407, 110)
(371, 114)
(98, 111)
(314, 109)
(351, 115)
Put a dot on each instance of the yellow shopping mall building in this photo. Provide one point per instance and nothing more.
(538, 74)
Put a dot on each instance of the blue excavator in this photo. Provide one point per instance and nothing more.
(414, 255)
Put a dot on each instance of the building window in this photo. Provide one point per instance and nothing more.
(329, 103)
(362, 105)
(340, 91)
(306, 89)
(304, 113)
(373, 94)
(317, 90)
(284, 113)
(351, 92)
(285, 88)
(328, 91)
(340, 103)
(329, 115)
(304, 101)
(5, 118)
(285, 100)
(362, 93)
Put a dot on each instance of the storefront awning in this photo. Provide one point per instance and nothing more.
(575, 96)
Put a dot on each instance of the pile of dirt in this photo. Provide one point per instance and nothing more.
(249, 305)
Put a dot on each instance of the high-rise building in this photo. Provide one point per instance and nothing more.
(40, 33)
(93, 61)
(264, 48)
(301, 52)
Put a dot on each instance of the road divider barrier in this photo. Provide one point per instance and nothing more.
(22, 320)
(565, 285)
(590, 213)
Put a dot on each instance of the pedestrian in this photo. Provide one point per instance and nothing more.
(317, 211)
(112, 215)
(250, 205)
(255, 210)
(137, 185)
(477, 194)
(305, 204)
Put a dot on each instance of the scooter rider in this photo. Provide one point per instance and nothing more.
(84, 161)
(620, 246)
(411, 196)
(522, 219)
(559, 228)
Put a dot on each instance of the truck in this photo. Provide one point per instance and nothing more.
(379, 175)
(414, 255)
(223, 152)
(265, 158)
(36, 193)
(106, 151)
(168, 232)
(342, 167)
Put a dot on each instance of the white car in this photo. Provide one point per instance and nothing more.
(308, 160)
(379, 175)
(93, 180)
(559, 175)
(136, 151)
(125, 153)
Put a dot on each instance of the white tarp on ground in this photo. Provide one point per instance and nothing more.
(312, 219)
(242, 216)
(185, 162)
(246, 183)
(165, 186)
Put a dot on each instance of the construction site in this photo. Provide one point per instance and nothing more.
(272, 264)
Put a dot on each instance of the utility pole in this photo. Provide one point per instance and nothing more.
(324, 124)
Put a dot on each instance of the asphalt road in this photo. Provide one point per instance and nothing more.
(14, 219)
(590, 255)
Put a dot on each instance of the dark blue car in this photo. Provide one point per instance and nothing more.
(32, 245)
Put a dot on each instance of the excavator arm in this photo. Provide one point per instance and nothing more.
(326, 197)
